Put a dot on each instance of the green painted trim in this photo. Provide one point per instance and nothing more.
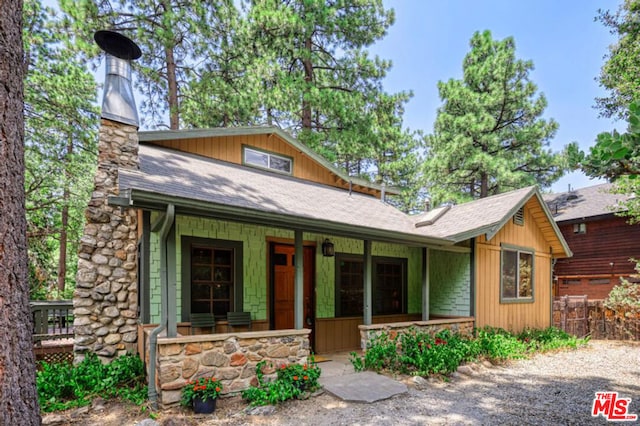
(518, 249)
(144, 298)
(511, 212)
(371, 279)
(425, 284)
(186, 241)
(367, 272)
(492, 229)
(472, 279)
(172, 299)
(556, 229)
(155, 201)
(163, 135)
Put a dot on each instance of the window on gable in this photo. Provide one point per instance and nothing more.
(389, 285)
(580, 228)
(267, 160)
(516, 280)
(211, 271)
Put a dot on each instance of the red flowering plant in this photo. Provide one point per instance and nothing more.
(204, 388)
(302, 376)
(291, 381)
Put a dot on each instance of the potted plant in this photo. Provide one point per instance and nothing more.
(201, 394)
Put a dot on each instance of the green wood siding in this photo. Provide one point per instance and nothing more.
(255, 248)
(449, 283)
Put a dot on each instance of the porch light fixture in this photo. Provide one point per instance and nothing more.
(327, 248)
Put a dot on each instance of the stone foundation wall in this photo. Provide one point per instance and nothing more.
(462, 326)
(105, 300)
(230, 357)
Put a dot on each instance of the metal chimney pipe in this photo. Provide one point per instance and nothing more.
(118, 102)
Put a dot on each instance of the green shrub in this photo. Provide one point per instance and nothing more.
(419, 353)
(292, 381)
(62, 386)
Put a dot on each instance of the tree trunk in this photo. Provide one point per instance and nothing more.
(172, 81)
(18, 398)
(484, 185)
(308, 79)
(64, 225)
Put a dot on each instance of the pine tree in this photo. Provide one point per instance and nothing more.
(489, 136)
(174, 36)
(619, 74)
(18, 398)
(60, 149)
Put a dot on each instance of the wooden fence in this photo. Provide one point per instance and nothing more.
(581, 317)
(52, 330)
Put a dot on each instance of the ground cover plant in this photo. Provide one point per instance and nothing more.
(62, 386)
(419, 353)
(291, 381)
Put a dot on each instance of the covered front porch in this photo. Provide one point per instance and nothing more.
(214, 266)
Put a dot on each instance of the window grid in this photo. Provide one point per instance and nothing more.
(212, 280)
(389, 286)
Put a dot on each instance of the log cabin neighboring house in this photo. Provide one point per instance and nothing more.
(188, 230)
(602, 242)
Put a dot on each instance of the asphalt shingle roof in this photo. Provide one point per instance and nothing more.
(479, 215)
(582, 203)
(170, 173)
(178, 174)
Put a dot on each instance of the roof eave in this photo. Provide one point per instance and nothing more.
(155, 201)
(492, 229)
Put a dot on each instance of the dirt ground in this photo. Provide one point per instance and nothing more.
(548, 389)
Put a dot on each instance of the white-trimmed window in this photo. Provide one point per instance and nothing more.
(267, 160)
(516, 274)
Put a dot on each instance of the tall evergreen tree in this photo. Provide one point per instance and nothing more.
(619, 74)
(227, 89)
(174, 36)
(18, 398)
(489, 136)
(325, 83)
(60, 149)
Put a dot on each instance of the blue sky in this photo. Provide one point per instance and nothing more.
(430, 38)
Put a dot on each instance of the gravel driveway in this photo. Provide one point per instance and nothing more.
(552, 389)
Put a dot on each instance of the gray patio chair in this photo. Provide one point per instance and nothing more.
(203, 321)
(239, 319)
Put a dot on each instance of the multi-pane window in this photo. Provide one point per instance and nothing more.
(349, 290)
(517, 275)
(212, 280)
(267, 160)
(389, 286)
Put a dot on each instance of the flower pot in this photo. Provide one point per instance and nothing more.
(204, 407)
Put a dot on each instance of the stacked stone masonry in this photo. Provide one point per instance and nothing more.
(231, 358)
(462, 326)
(106, 296)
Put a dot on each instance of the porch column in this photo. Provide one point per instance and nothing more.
(366, 272)
(425, 284)
(298, 292)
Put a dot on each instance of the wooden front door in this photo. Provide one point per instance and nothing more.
(283, 277)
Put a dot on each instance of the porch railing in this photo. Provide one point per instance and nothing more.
(52, 320)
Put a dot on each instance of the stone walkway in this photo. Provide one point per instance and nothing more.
(339, 378)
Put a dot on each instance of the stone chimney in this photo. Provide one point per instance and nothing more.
(105, 301)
